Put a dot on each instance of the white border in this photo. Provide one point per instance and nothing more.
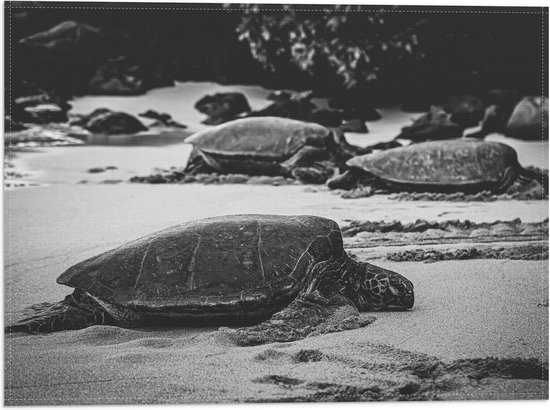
(485, 405)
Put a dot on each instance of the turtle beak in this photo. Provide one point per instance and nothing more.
(404, 295)
(408, 301)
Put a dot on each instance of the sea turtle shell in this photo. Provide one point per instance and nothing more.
(215, 266)
(262, 138)
(457, 163)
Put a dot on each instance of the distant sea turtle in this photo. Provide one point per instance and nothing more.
(270, 146)
(459, 165)
(228, 269)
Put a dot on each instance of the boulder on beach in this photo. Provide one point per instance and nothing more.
(327, 118)
(494, 121)
(288, 104)
(222, 107)
(466, 110)
(505, 99)
(105, 121)
(353, 125)
(161, 119)
(299, 106)
(116, 77)
(436, 124)
(529, 120)
(356, 105)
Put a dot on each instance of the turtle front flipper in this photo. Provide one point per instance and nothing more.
(308, 315)
(527, 184)
(76, 311)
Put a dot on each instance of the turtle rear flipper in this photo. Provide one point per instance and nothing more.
(308, 315)
(318, 173)
(76, 311)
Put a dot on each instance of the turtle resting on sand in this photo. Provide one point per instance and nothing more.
(290, 274)
(459, 165)
(270, 146)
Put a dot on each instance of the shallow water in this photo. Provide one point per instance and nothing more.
(140, 153)
(179, 101)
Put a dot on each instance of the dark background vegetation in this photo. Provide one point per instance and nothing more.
(412, 53)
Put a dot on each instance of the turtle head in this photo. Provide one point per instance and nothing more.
(383, 289)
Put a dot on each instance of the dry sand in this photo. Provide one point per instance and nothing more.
(464, 309)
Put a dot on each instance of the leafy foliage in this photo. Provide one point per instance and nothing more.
(351, 42)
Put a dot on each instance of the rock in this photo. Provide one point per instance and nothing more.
(434, 125)
(326, 118)
(529, 120)
(356, 104)
(81, 120)
(154, 115)
(105, 121)
(505, 99)
(65, 36)
(117, 77)
(162, 119)
(494, 121)
(46, 113)
(222, 107)
(298, 106)
(466, 110)
(293, 105)
(385, 145)
(353, 125)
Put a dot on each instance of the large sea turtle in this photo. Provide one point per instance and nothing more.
(291, 272)
(269, 146)
(459, 165)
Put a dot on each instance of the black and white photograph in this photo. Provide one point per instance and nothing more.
(274, 203)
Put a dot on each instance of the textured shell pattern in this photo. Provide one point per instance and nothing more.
(268, 137)
(223, 258)
(451, 162)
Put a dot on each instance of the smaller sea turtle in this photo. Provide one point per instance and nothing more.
(460, 165)
(289, 272)
(270, 146)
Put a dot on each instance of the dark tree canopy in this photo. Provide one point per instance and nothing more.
(389, 53)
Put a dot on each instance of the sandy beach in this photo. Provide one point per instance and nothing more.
(465, 310)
